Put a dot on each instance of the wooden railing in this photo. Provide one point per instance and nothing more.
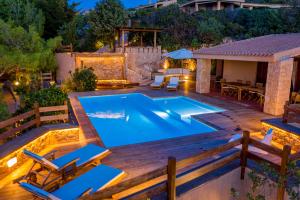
(16, 125)
(168, 178)
(291, 113)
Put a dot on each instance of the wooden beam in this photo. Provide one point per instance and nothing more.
(206, 169)
(265, 147)
(37, 114)
(171, 178)
(207, 154)
(123, 41)
(155, 38)
(283, 171)
(126, 185)
(245, 143)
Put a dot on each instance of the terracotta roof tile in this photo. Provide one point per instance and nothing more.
(259, 46)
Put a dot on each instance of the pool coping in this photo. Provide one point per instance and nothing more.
(89, 133)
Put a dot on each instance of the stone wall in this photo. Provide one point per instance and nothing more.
(278, 86)
(66, 64)
(140, 62)
(47, 140)
(106, 66)
(283, 137)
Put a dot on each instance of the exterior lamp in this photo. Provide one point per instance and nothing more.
(12, 162)
(16, 83)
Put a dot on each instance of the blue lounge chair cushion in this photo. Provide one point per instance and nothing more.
(94, 180)
(172, 86)
(38, 191)
(83, 155)
(40, 159)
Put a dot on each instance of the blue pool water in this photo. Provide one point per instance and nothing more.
(135, 118)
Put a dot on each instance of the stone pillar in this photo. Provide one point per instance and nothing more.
(278, 86)
(203, 75)
(196, 7)
(218, 5)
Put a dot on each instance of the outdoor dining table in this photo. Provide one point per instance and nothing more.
(241, 87)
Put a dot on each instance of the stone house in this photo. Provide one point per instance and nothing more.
(273, 60)
(198, 5)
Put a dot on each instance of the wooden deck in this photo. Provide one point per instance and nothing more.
(141, 158)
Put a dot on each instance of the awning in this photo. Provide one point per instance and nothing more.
(179, 54)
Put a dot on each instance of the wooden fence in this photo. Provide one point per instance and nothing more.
(16, 125)
(167, 178)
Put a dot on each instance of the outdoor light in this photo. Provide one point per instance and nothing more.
(12, 162)
(16, 83)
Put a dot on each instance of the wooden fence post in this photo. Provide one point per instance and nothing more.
(37, 114)
(66, 111)
(283, 171)
(171, 178)
(245, 144)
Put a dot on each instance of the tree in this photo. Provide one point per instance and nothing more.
(22, 13)
(211, 31)
(107, 15)
(26, 50)
(57, 13)
(78, 33)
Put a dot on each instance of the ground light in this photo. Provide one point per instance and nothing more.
(12, 162)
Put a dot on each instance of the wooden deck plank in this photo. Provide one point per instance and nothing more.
(138, 159)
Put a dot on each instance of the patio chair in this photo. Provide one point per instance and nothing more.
(158, 82)
(267, 140)
(94, 180)
(62, 167)
(259, 85)
(297, 99)
(173, 84)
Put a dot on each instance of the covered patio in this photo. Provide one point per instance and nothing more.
(267, 65)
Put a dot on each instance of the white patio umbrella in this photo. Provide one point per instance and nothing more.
(179, 54)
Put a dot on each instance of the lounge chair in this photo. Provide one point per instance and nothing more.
(90, 182)
(173, 84)
(63, 166)
(158, 82)
(267, 140)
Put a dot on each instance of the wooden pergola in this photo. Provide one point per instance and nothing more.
(120, 34)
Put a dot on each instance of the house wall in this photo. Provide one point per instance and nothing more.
(240, 70)
(219, 188)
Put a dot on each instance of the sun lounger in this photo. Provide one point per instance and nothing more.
(267, 140)
(173, 84)
(65, 165)
(158, 82)
(90, 182)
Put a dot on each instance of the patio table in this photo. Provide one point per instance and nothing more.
(236, 85)
(240, 87)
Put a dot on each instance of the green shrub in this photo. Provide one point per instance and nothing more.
(45, 97)
(81, 80)
(4, 113)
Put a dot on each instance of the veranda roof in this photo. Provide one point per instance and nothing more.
(267, 47)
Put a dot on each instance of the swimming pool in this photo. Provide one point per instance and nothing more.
(135, 118)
